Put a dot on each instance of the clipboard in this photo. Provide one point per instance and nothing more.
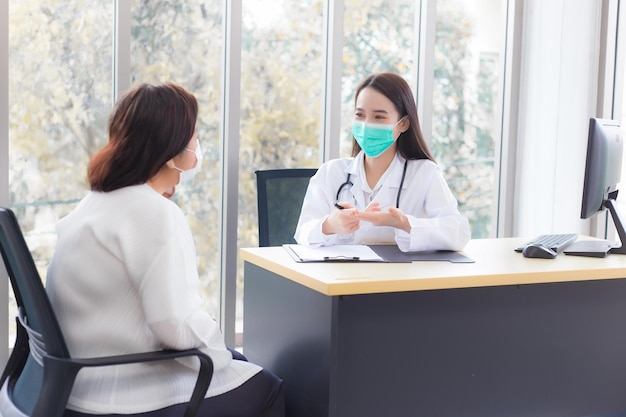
(335, 253)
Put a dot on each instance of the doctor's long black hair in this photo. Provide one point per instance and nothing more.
(410, 144)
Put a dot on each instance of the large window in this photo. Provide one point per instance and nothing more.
(281, 63)
(376, 39)
(468, 53)
(620, 115)
(60, 94)
(613, 100)
(469, 48)
(181, 41)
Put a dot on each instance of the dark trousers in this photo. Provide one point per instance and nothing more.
(261, 396)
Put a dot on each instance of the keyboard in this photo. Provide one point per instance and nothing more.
(556, 242)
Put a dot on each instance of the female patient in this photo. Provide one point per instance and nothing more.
(123, 278)
(391, 190)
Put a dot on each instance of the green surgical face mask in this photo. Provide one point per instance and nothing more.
(373, 138)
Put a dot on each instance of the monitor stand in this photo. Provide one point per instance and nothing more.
(619, 225)
(601, 248)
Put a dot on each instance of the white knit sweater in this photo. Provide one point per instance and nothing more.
(123, 279)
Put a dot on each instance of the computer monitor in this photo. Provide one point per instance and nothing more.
(603, 170)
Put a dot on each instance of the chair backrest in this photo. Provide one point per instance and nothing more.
(29, 291)
(280, 193)
(26, 388)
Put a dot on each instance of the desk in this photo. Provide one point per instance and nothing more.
(504, 336)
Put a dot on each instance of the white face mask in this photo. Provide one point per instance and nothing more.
(189, 174)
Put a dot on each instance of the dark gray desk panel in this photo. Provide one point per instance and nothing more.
(555, 350)
(287, 329)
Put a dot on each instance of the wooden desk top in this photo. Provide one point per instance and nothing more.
(496, 264)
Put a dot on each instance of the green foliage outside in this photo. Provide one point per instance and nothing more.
(60, 96)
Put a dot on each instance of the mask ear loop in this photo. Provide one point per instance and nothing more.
(397, 123)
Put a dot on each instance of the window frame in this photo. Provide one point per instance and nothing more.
(4, 162)
(330, 135)
(611, 71)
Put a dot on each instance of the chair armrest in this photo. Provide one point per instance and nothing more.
(205, 373)
(154, 356)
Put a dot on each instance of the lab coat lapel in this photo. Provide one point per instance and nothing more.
(389, 189)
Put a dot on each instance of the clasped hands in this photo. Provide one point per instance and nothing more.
(348, 220)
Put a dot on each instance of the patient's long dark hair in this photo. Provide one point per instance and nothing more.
(149, 125)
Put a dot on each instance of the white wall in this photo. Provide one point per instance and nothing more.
(557, 98)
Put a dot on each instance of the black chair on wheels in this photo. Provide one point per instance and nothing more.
(40, 372)
(280, 193)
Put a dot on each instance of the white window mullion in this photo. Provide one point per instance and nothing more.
(121, 47)
(4, 163)
(330, 138)
(426, 19)
(506, 154)
(231, 105)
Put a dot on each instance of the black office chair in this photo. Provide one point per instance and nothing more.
(280, 193)
(40, 373)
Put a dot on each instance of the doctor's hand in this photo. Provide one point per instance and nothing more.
(393, 217)
(341, 221)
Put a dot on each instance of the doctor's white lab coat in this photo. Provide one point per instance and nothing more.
(425, 199)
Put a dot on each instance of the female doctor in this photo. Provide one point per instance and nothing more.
(391, 189)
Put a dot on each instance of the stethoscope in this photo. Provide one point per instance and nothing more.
(349, 183)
